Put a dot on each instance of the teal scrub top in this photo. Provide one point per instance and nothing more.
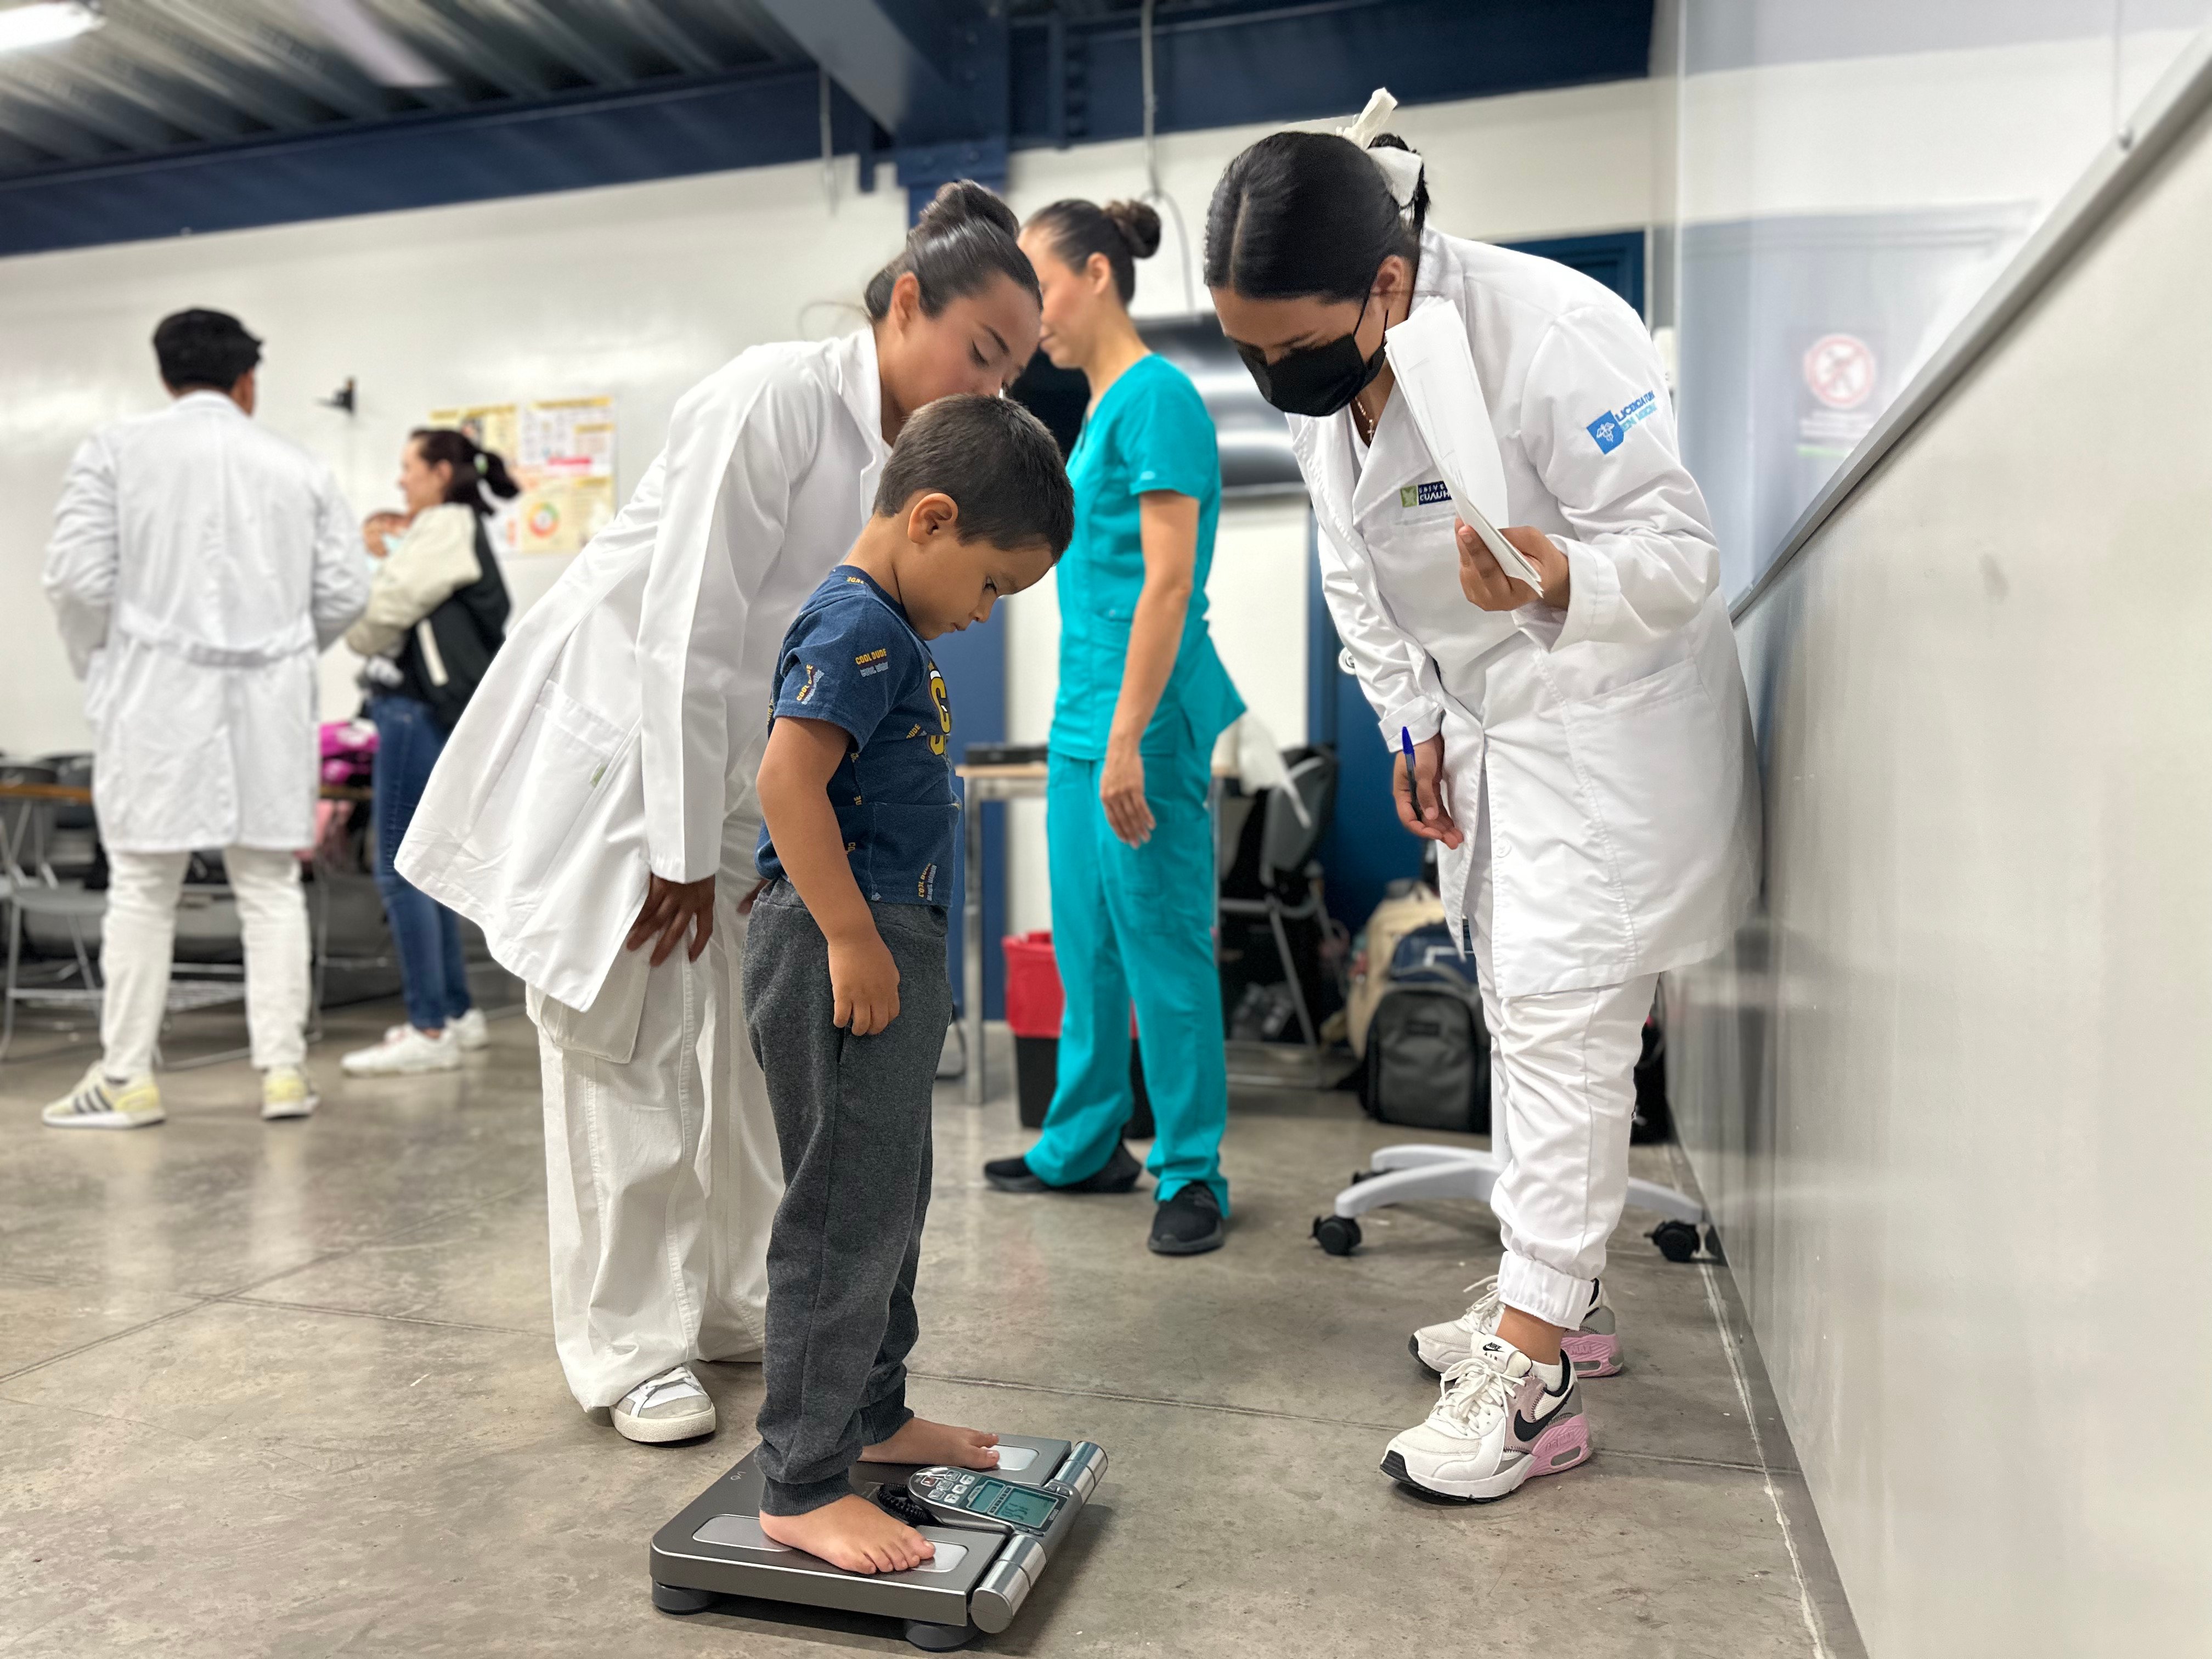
(1150, 431)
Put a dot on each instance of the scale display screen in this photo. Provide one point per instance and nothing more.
(1019, 1505)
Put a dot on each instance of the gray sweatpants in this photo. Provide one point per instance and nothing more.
(852, 1119)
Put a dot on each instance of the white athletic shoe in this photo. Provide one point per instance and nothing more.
(406, 1050)
(670, 1407)
(1501, 1419)
(470, 1031)
(104, 1102)
(1595, 1346)
(286, 1093)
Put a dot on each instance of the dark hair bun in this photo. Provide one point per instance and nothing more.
(965, 202)
(1139, 226)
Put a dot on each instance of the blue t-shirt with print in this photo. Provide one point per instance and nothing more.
(852, 659)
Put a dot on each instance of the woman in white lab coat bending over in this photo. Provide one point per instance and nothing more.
(593, 811)
(1582, 752)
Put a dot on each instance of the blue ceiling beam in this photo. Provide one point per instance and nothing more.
(881, 58)
(743, 120)
(1051, 81)
(932, 73)
(1077, 82)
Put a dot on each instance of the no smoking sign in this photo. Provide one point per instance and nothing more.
(1839, 370)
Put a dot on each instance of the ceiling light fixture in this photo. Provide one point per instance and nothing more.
(44, 22)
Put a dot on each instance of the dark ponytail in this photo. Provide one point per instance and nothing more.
(474, 470)
(1303, 214)
(1125, 232)
(963, 240)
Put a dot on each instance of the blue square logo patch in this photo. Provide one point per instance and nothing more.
(1610, 430)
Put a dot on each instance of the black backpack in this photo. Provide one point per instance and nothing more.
(1428, 1051)
(449, 651)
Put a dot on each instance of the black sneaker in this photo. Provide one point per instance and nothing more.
(1189, 1224)
(1013, 1174)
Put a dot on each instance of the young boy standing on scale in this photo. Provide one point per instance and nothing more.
(846, 995)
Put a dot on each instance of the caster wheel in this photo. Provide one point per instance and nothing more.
(1338, 1235)
(1713, 1244)
(674, 1598)
(1677, 1240)
(939, 1638)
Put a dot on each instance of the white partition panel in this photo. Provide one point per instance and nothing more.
(1950, 1099)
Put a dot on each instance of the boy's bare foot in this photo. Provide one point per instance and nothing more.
(922, 1442)
(852, 1534)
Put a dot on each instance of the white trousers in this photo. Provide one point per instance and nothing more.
(662, 1178)
(1563, 1086)
(138, 938)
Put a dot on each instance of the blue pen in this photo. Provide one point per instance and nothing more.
(1406, 743)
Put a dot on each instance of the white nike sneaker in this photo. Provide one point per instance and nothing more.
(286, 1093)
(1595, 1346)
(1501, 1419)
(104, 1103)
(470, 1030)
(406, 1050)
(670, 1407)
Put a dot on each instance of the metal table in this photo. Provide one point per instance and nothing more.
(985, 783)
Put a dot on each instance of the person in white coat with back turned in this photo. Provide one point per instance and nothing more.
(1582, 753)
(595, 806)
(199, 565)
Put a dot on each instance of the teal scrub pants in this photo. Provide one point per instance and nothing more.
(1135, 924)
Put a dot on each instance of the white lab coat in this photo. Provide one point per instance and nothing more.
(620, 726)
(1612, 741)
(199, 565)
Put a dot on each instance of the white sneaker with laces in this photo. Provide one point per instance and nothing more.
(100, 1101)
(286, 1093)
(1595, 1346)
(470, 1031)
(405, 1050)
(670, 1407)
(1501, 1419)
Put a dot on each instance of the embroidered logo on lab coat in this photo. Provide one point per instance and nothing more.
(1433, 494)
(1611, 428)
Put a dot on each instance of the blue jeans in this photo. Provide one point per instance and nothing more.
(433, 974)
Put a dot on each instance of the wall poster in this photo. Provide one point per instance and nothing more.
(562, 454)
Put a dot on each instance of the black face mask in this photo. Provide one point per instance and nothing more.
(1316, 380)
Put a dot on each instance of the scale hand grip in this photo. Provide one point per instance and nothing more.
(997, 1596)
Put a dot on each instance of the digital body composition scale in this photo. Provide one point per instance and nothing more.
(995, 1530)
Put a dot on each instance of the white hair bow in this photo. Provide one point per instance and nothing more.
(1401, 168)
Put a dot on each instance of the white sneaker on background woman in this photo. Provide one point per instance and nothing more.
(406, 1049)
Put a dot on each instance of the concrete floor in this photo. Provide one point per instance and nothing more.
(289, 1389)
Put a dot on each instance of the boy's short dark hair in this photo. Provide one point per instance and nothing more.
(996, 461)
(204, 348)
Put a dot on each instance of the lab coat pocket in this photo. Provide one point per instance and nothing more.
(1653, 760)
(608, 1029)
(565, 755)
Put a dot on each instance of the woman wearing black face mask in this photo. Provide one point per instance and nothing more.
(1581, 753)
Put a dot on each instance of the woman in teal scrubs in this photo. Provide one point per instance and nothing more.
(1142, 697)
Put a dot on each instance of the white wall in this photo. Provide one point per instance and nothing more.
(1946, 1094)
(637, 291)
